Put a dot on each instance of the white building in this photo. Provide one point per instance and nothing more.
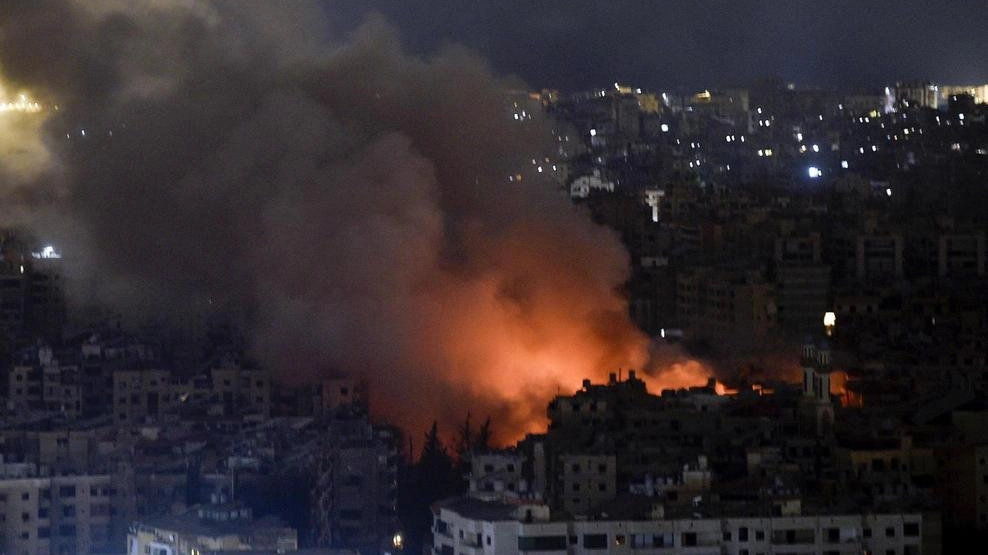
(474, 527)
(583, 185)
(209, 528)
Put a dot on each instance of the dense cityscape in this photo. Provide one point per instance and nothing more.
(255, 299)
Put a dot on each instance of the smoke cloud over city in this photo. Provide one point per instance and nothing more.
(351, 199)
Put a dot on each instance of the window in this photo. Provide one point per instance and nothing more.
(602, 468)
(66, 491)
(689, 539)
(42, 512)
(68, 510)
(25, 496)
(602, 487)
(890, 532)
(25, 517)
(833, 535)
(595, 541)
(867, 532)
(759, 535)
(542, 543)
(910, 529)
(66, 530)
(44, 532)
(619, 539)
(743, 534)
(727, 536)
(575, 467)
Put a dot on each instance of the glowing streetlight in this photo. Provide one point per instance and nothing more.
(829, 321)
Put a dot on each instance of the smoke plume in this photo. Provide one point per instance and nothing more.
(350, 198)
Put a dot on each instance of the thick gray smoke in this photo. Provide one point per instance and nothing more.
(351, 199)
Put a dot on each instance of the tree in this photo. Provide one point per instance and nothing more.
(483, 439)
(422, 483)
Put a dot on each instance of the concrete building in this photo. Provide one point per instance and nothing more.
(24, 388)
(963, 479)
(210, 528)
(878, 258)
(816, 408)
(978, 92)
(584, 185)
(141, 394)
(354, 494)
(476, 527)
(337, 393)
(714, 302)
(60, 515)
(925, 94)
(586, 481)
(242, 390)
(496, 474)
(802, 282)
(961, 256)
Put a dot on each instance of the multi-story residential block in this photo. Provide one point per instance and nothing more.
(961, 256)
(56, 515)
(142, 394)
(879, 258)
(716, 302)
(496, 474)
(585, 481)
(242, 390)
(465, 525)
(215, 527)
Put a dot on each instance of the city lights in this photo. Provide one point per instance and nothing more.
(547, 319)
(23, 104)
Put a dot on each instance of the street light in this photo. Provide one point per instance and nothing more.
(829, 321)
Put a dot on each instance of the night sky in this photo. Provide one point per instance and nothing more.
(577, 44)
